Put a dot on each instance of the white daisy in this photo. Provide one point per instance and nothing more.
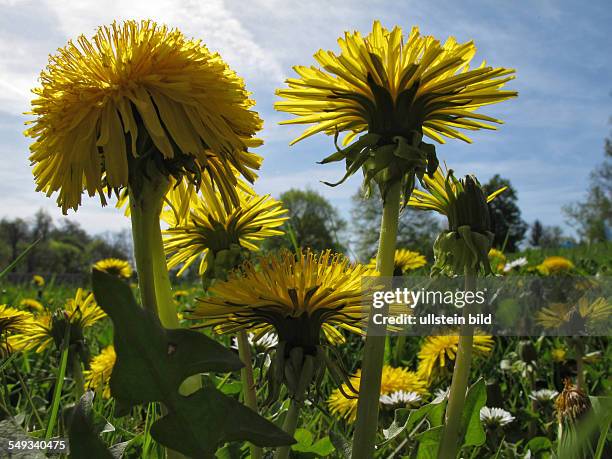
(440, 395)
(522, 261)
(263, 343)
(400, 397)
(543, 395)
(495, 417)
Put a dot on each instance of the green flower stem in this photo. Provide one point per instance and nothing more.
(459, 384)
(77, 374)
(143, 254)
(59, 384)
(578, 345)
(248, 383)
(289, 426)
(373, 355)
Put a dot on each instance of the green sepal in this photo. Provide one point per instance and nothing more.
(153, 361)
(454, 251)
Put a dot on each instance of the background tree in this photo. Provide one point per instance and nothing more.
(313, 220)
(508, 226)
(62, 249)
(537, 229)
(593, 217)
(417, 230)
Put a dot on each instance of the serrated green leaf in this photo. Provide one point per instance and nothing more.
(429, 443)
(84, 431)
(538, 445)
(471, 429)
(305, 439)
(151, 364)
(405, 420)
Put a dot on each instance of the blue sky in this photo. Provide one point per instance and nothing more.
(552, 138)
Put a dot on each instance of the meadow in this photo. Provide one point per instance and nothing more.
(522, 376)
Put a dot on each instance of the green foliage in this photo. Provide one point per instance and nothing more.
(61, 249)
(417, 230)
(593, 216)
(508, 226)
(313, 223)
(152, 362)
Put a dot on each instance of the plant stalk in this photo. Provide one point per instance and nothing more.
(289, 426)
(248, 383)
(77, 374)
(374, 350)
(59, 383)
(459, 384)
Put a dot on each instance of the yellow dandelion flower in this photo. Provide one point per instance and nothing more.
(423, 83)
(437, 353)
(48, 328)
(179, 294)
(137, 91)
(100, 369)
(115, 267)
(497, 255)
(211, 227)
(31, 304)
(296, 295)
(38, 280)
(12, 322)
(558, 354)
(404, 261)
(555, 265)
(393, 380)
(575, 317)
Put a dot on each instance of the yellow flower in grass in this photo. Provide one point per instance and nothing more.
(210, 227)
(31, 304)
(497, 259)
(12, 322)
(38, 280)
(437, 354)
(100, 369)
(48, 328)
(558, 354)
(555, 265)
(295, 295)
(115, 267)
(404, 261)
(393, 90)
(343, 401)
(138, 91)
(576, 318)
(180, 294)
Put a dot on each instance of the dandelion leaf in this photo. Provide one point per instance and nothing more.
(153, 361)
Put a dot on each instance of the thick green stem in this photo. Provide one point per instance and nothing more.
(373, 354)
(578, 345)
(143, 256)
(289, 426)
(248, 383)
(459, 384)
(77, 374)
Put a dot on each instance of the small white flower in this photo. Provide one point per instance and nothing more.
(400, 397)
(495, 417)
(543, 395)
(522, 261)
(441, 395)
(263, 343)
